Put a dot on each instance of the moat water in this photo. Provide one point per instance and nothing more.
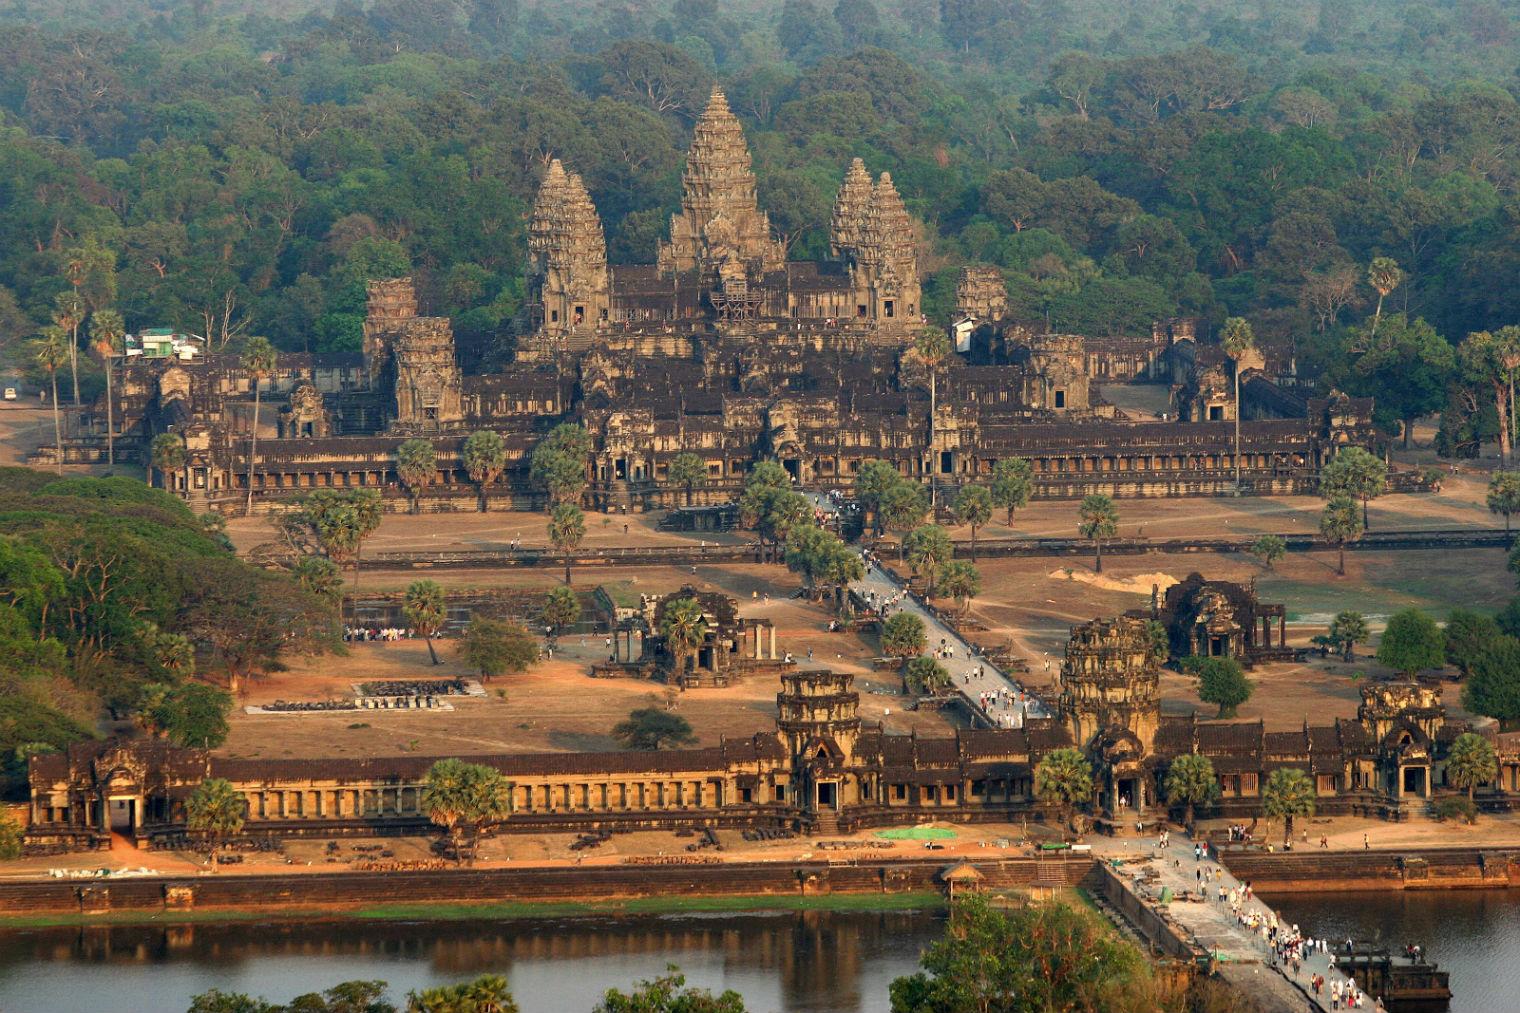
(812, 962)
(780, 962)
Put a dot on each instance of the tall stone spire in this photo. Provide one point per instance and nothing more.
(567, 255)
(884, 262)
(847, 226)
(720, 218)
(888, 230)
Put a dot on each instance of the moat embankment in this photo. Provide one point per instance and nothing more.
(1377, 870)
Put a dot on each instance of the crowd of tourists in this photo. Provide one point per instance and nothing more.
(365, 634)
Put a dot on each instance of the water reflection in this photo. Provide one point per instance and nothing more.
(807, 962)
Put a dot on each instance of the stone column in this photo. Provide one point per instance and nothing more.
(773, 642)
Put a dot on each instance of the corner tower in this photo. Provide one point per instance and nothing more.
(816, 710)
(720, 218)
(570, 291)
(884, 264)
(1110, 683)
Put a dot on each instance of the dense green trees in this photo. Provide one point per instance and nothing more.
(1221, 681)
(1412, 643)
(497, 647)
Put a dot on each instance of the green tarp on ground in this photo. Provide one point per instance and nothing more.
(916, 834)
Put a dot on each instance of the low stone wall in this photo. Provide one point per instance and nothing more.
(1165, 937)
(1376, 870)
(342, 890)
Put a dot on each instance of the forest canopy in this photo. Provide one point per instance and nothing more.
(233, 169)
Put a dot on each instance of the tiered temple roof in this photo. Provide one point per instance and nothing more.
(851, 206)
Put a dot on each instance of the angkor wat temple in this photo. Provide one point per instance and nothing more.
(726, 349)
(822, 770)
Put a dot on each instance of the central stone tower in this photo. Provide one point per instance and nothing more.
(720, 220)
(569, 286)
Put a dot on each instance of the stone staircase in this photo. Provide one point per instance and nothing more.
(825, 824)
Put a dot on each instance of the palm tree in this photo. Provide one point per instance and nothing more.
(683, 625)
(1471, 762)
(562, 609)
(961, 582)
(1504, 495)
(416, 466)
(1190, 780)
(1349, 629)
(1288, 793)
(217, 810)
(1012, 484)
(1064, 777)
(167, 454)
(464, 798)
(1384, 275)
(50, 352)
(259, 359)
(1098, 520)
(485, 456)
(106, 332)
(1341, 522)
(1238, 339)
(68, 314)
(688, 471)
(426, 611)
(486, 994)
(973, 507)
(567, 526)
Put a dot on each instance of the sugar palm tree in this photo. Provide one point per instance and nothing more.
(259, 359)
(1289, 793)
(1238, 339)
(426, 611)
(416, 466)
(106, 332)
(68, 314)
(1098, 521)
(960, 582)
(1340, 522)
(567, 526)
(973, 507)
(167, 454)
(217, 810)
(485, 456)
(1064, 778)
(1384, 275)
(1471, 762)
(683, 625)
(50, 352)
(1190, 780)
(463, 799)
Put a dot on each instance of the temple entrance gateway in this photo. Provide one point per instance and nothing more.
(1415, 780)
(828, 795)
(121, 815)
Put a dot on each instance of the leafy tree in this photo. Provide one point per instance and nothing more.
(1340, 522)
(562, 609)
(1029, 957)
(1221, 681)
(1190, 780)
(688, 471)
(651, 728)
(1504, 495)
(494, 647)
(902, 635)
(11, 835)
(426, 610)
(1063, 777)
(668, 994)
(902, 507)
(960, 581)
(1493, 685)
(485, 456)
(772, 512)
(1407, 368)
(107, 330)
(872, 482)
(1012, 485)
(217, 810)
(1097, 521)
(167, 454)
(926, 677)
(1349, 629)
(259, 360)
(1269, 549)
(465, 799)
(1355, 474)
(1471, 762)
(1412, 643)
(683, 624)
(1467, 634)
(558, 462)
(928, 549)
(194, 714)
(973, 507)
(1288, 794)
(567, 527)
(416, 466)
(486, 994)
(1238, 340)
